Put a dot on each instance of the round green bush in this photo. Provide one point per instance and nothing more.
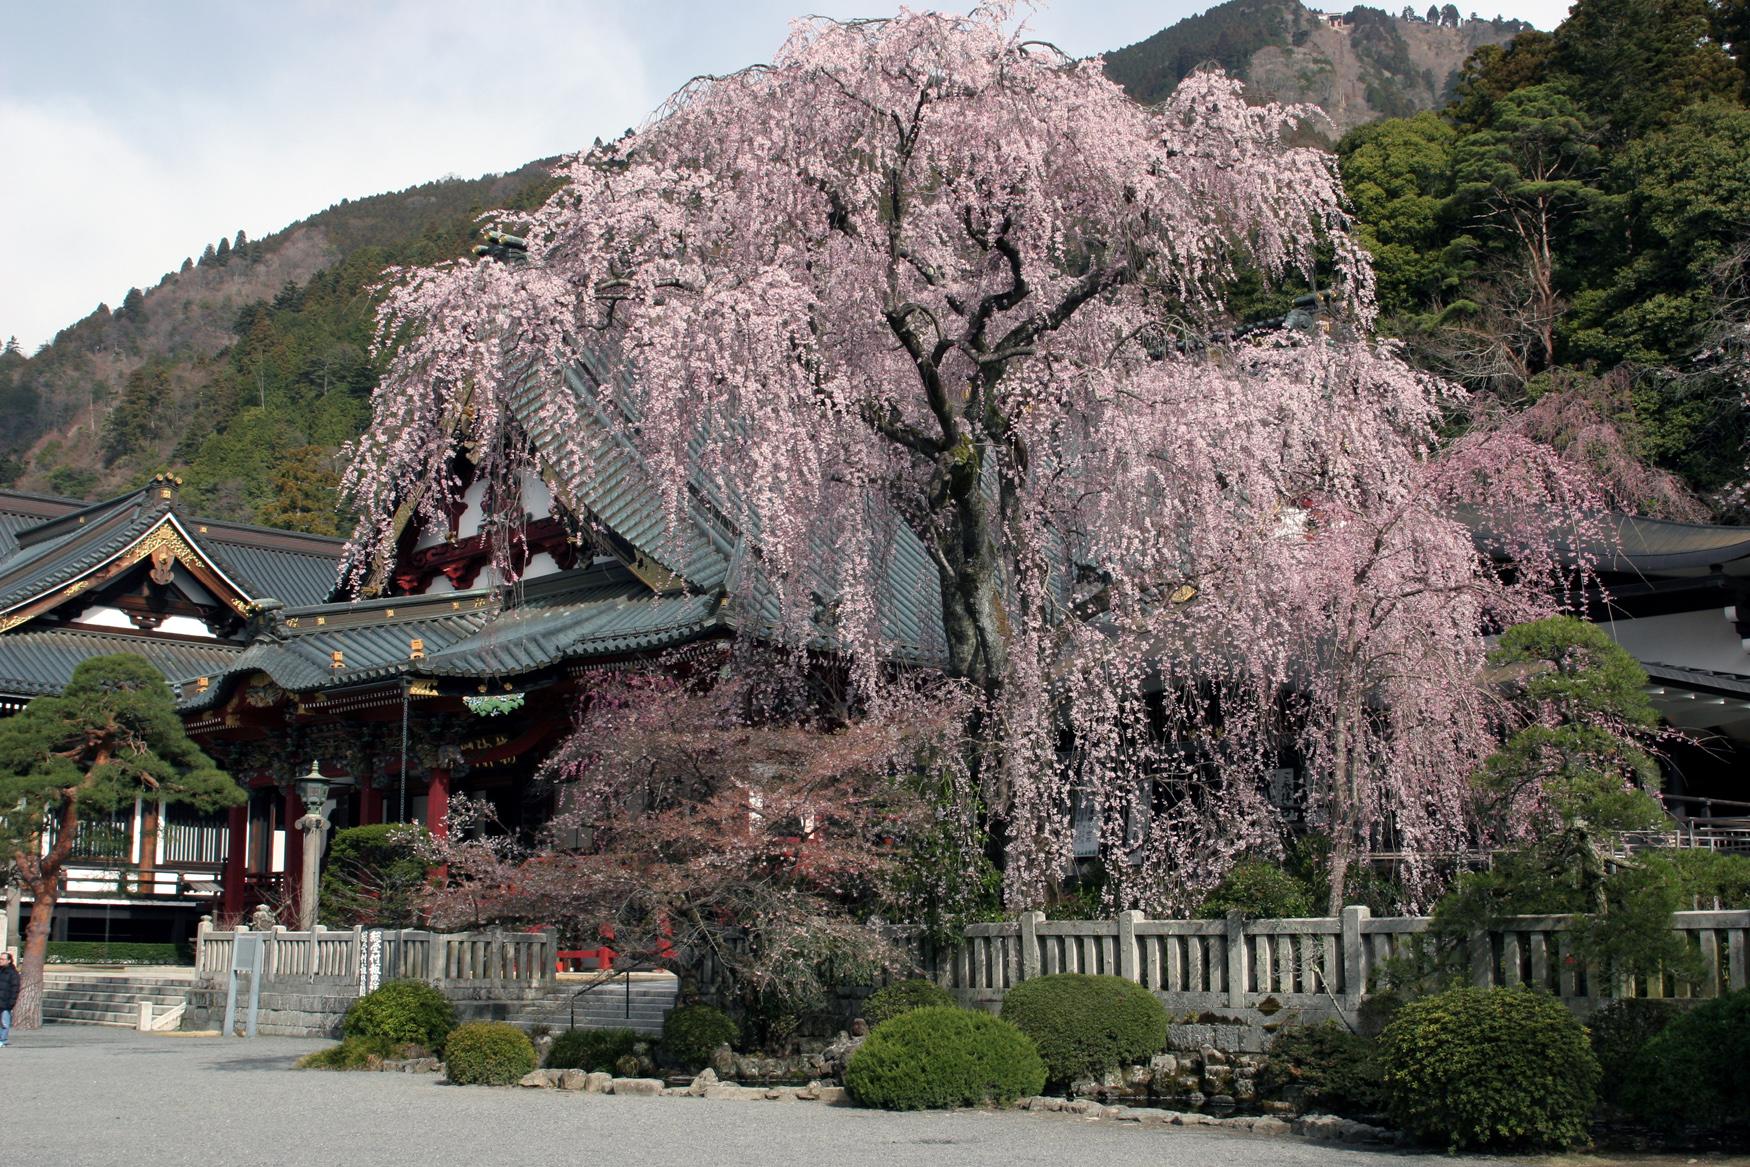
(488, 1053)
(1619, 1032)
(1697, 1069)
(938, 1056)
(692, 1033)
(407, 1011)
(1086, 1025)
(590, 1049)
(1489, 1068)
(889, 1001)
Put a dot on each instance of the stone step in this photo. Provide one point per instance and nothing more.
(113, 988)
(92, 1016)
(115, 984)
(119, 999)
(108, 999)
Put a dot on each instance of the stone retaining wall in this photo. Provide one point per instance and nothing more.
(311, 1013)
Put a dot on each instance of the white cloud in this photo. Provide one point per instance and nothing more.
(114, 196)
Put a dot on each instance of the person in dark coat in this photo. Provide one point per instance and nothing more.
(8, 994)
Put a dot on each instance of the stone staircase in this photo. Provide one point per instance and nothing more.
(109, 998)
(638, 1003)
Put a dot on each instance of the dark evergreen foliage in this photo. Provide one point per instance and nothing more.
(590, 1049)
(1696, 1070)
(692, 1033)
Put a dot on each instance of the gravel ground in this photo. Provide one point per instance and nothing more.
(72, 1096)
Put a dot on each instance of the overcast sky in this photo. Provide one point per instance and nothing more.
(136, 133)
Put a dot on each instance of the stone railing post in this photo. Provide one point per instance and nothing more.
(1030, 922)
(1129, 967)
(549, 957)
(435, 944)
(1354, 955)
(1482, 960)
(1236, 961)
(200, 942)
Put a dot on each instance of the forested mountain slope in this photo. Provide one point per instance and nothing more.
(1570, 238)
(244, 369)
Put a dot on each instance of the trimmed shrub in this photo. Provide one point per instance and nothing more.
(937, 1056)
(1697, 1069)
(1337, 1070)
(1619, 1031)
(402, 1011)
(488, 1053)
(1489, 1068)
(692, 1033)
(889, 1001)
(360, 1053)
(590, 1049)
(1086, 1025)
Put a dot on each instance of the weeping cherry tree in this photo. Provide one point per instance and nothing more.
(925, 271)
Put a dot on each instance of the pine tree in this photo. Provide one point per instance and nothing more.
(224, 251)
(209, 255)
(187, 264)
(112, 736)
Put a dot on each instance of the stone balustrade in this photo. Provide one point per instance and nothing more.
(490, 962)
(1321, 965)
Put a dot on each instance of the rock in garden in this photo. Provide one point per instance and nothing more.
(707, 1078)
(573, 1080)
(538, 1079)
(598, 1082)
(640, 1086)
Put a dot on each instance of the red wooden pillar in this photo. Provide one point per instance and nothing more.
(370, 806)
(292, 879)
(437, 803)
(231, 905)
